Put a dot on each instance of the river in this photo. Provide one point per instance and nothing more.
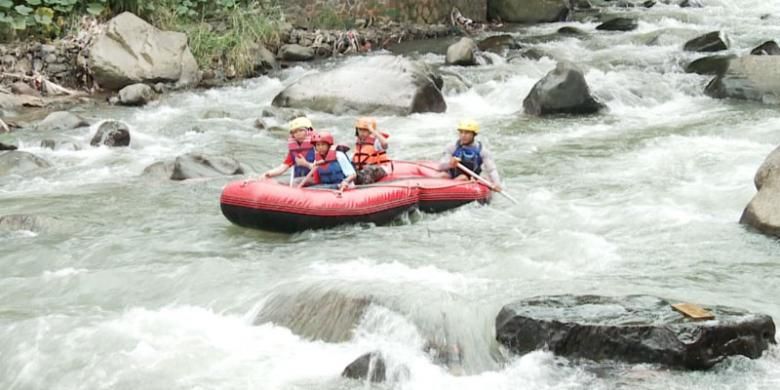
(144, 284)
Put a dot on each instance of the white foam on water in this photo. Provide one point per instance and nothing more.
(48, 276)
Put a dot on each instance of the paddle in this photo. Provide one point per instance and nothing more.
(292, 176)
(486, 183)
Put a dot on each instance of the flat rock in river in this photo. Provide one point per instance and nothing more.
(634, 329)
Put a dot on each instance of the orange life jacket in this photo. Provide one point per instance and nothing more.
(366, 154)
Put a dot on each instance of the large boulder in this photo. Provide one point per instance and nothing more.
(112, 134)
(17, 162)
(8, 100)
(316, 314)
(195, 165)
(61, 120)
(369, 366)
(712, 41)
(381, 85)
(264, 60)
(634, 329)
(562, 91)
(714, 65)
(133, 51)
(763, 211)
(768, 48)
(5, 147)
(462, 53)
(136, 95)
(528, 11)
(749, 77)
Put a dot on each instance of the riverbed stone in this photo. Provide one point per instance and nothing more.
(763, 211)
(4, 147)
(562, 91)
(371, 85)
(714, 65)
(618, 24)
(112, 133)
(133, 51)
(499, 44)
(712, 41)
(295, 52)
(462, 53)
(19, 162)
(136, 95)
(528, 11)
(61, 120)
(22, 88)
(633, 329)
(368, 366)
(198, 165)
(749, 77)
(769, 48)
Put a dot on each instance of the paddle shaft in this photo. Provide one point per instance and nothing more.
(485, 182)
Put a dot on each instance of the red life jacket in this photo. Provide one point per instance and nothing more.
(366, 154)
(305, 149)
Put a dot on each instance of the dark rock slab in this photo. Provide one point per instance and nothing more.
(618, 24)
(691, 4)
(571, 31)
(768, 48)
(112, 133)
(714, 65)
(562, 91)
(4, 147)
(634, 329)
(712, 41)
(370, 365)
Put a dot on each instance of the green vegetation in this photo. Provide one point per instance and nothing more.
(219, 31)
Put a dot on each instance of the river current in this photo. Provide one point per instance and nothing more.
(143, 283)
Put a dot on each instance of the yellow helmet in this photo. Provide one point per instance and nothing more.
(300, 123)
(365, 123)
(469, 125)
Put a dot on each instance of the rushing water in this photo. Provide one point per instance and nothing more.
(142, 283)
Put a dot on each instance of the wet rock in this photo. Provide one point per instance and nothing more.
(17, 162)
(498, 44)
(714, 65)
(571, 31)
(389, 85)
(315, 314)
(4, 147)
(22, 88)
(160, 170)
(713, 41)
(462, 53)
(749, 77)
(634, 329)
(61, 120)
(48, 144)
(534, 54)
(112, 134)
(30, 223)
(528, 11)
(370, 365)
(649, 4)
(133, 51)
(562, 91)
(296, 53)
(691, 4)
(763, 211)
(260, 124)
(196, 165)
(768, 48)
(136, 95)
(216, 114)
(8, 100)
(618, 24)
(264, 60)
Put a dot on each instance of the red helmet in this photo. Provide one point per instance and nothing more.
(322, 137)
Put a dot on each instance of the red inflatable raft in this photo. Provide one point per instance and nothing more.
(269, 205)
